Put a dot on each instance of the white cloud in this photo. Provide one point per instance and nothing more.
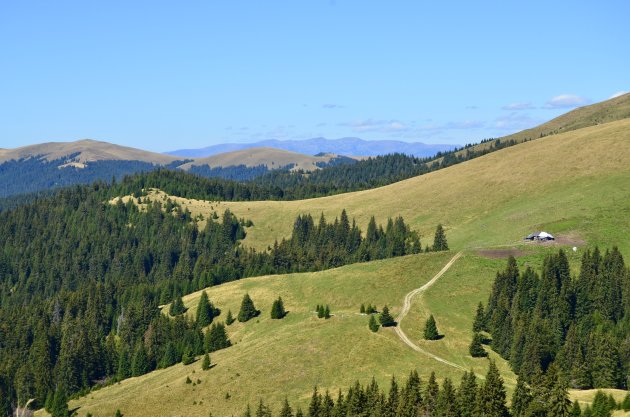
(565, 101)
(518, 106)
(373, 125)
(618, 94)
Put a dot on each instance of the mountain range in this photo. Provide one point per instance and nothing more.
(344, 146)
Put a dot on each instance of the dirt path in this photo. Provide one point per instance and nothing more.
(407, 306)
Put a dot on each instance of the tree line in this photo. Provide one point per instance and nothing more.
(81, 282)
(472, 397)
(578, 325)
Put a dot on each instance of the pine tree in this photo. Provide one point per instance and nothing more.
(205, 311)
(188, 357)
(118, 413)
(479, 324)
(491, 398)
(177, 307)
(373, 325)
(467, 394)
(315, 404)
(327, 312)
(320, 311)
(170, 356)
(521, 398)
(277, 309)
(59, 407)
(625, 405)
(286, 410)
(140, 362)
(430, 329)
(576, 410)
(386, 319)
(248, 310)
(447, 405)
(601, 406)
(124, 365)
(205, 364)
(216, 338)
(362, 309)
(229, 319)
(476, 348)
(439, 241)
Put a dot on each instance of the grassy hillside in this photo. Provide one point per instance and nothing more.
(269, 157)
(278, 358)
(617, 108)
(575, 184)
(88, 150)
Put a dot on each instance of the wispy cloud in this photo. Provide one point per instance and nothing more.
(618, 94)
(565, 101)
(374, 125)
(518, 106)
(332, 106)
(515, 121)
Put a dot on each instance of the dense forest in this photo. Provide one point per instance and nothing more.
(31, 175)
(341, 174)
(581, 325)
(81, 281)
(472, 397)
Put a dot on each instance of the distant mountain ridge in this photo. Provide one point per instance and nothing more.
(349, 146)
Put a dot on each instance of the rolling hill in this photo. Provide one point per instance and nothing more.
(271, 158)
(575, 185)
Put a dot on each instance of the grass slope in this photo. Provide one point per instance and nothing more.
(270, 157)
(575, 184)
(278, 358)
(89, 150)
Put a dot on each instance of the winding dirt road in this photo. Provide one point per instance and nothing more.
(407, 306)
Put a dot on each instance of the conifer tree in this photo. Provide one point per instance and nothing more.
(625, 405)
(315, 404)
(476, 348)
(559, 403)
(362, 309)
(205, 364)
(479, 324)
(188, 357)
(430, 395)
(521, 398)
(248, 310)
(118, 413)
(430, 329)
(59, 407)
(327, 312)
(140, 363)
(124, 365)
(299, 412)
(205, 311)
(467, 394)
(491, 397)
(277, 309)
(286, 410)
(320, 311)
(439, 241)
(229, 319)
(447, 405)
(386, 318)
(170, 356)
(216, 338)
(177, 307)
(576, 410)
(373, 325)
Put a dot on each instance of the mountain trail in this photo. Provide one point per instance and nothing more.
(407, 306)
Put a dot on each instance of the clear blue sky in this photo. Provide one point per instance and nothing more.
(163, 75)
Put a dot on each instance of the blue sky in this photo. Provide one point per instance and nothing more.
(164, 75)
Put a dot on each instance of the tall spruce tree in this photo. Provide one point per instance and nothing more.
(277, 309)
(177, 307)
(491, 398)
(467, 394)
(479, 324)
(476, 347)
(521, 398)
(216, 338)
(373, 325)
(229, 319)
(439, 240)
(248, 310)
(386, 318)
(205, 311)
(430, 329)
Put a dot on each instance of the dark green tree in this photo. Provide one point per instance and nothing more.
(521, 398)
(59, 407)
(476, 347)
(205, 311)
(248, 310)
(479, 324)
(177, 307)
(286, 410)
(205, 364)
(491, 397)
(216, 338)
(447, 405)
(229, 319)
(467, 394)
(118, 413)
(140, 362)
(430, 329)
(362, 309)
(439, 241)
(327, 312)
(277, 309)
(386, 318)
(373, 325)
(170, 356)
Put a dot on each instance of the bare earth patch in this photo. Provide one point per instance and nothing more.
(501, 253)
